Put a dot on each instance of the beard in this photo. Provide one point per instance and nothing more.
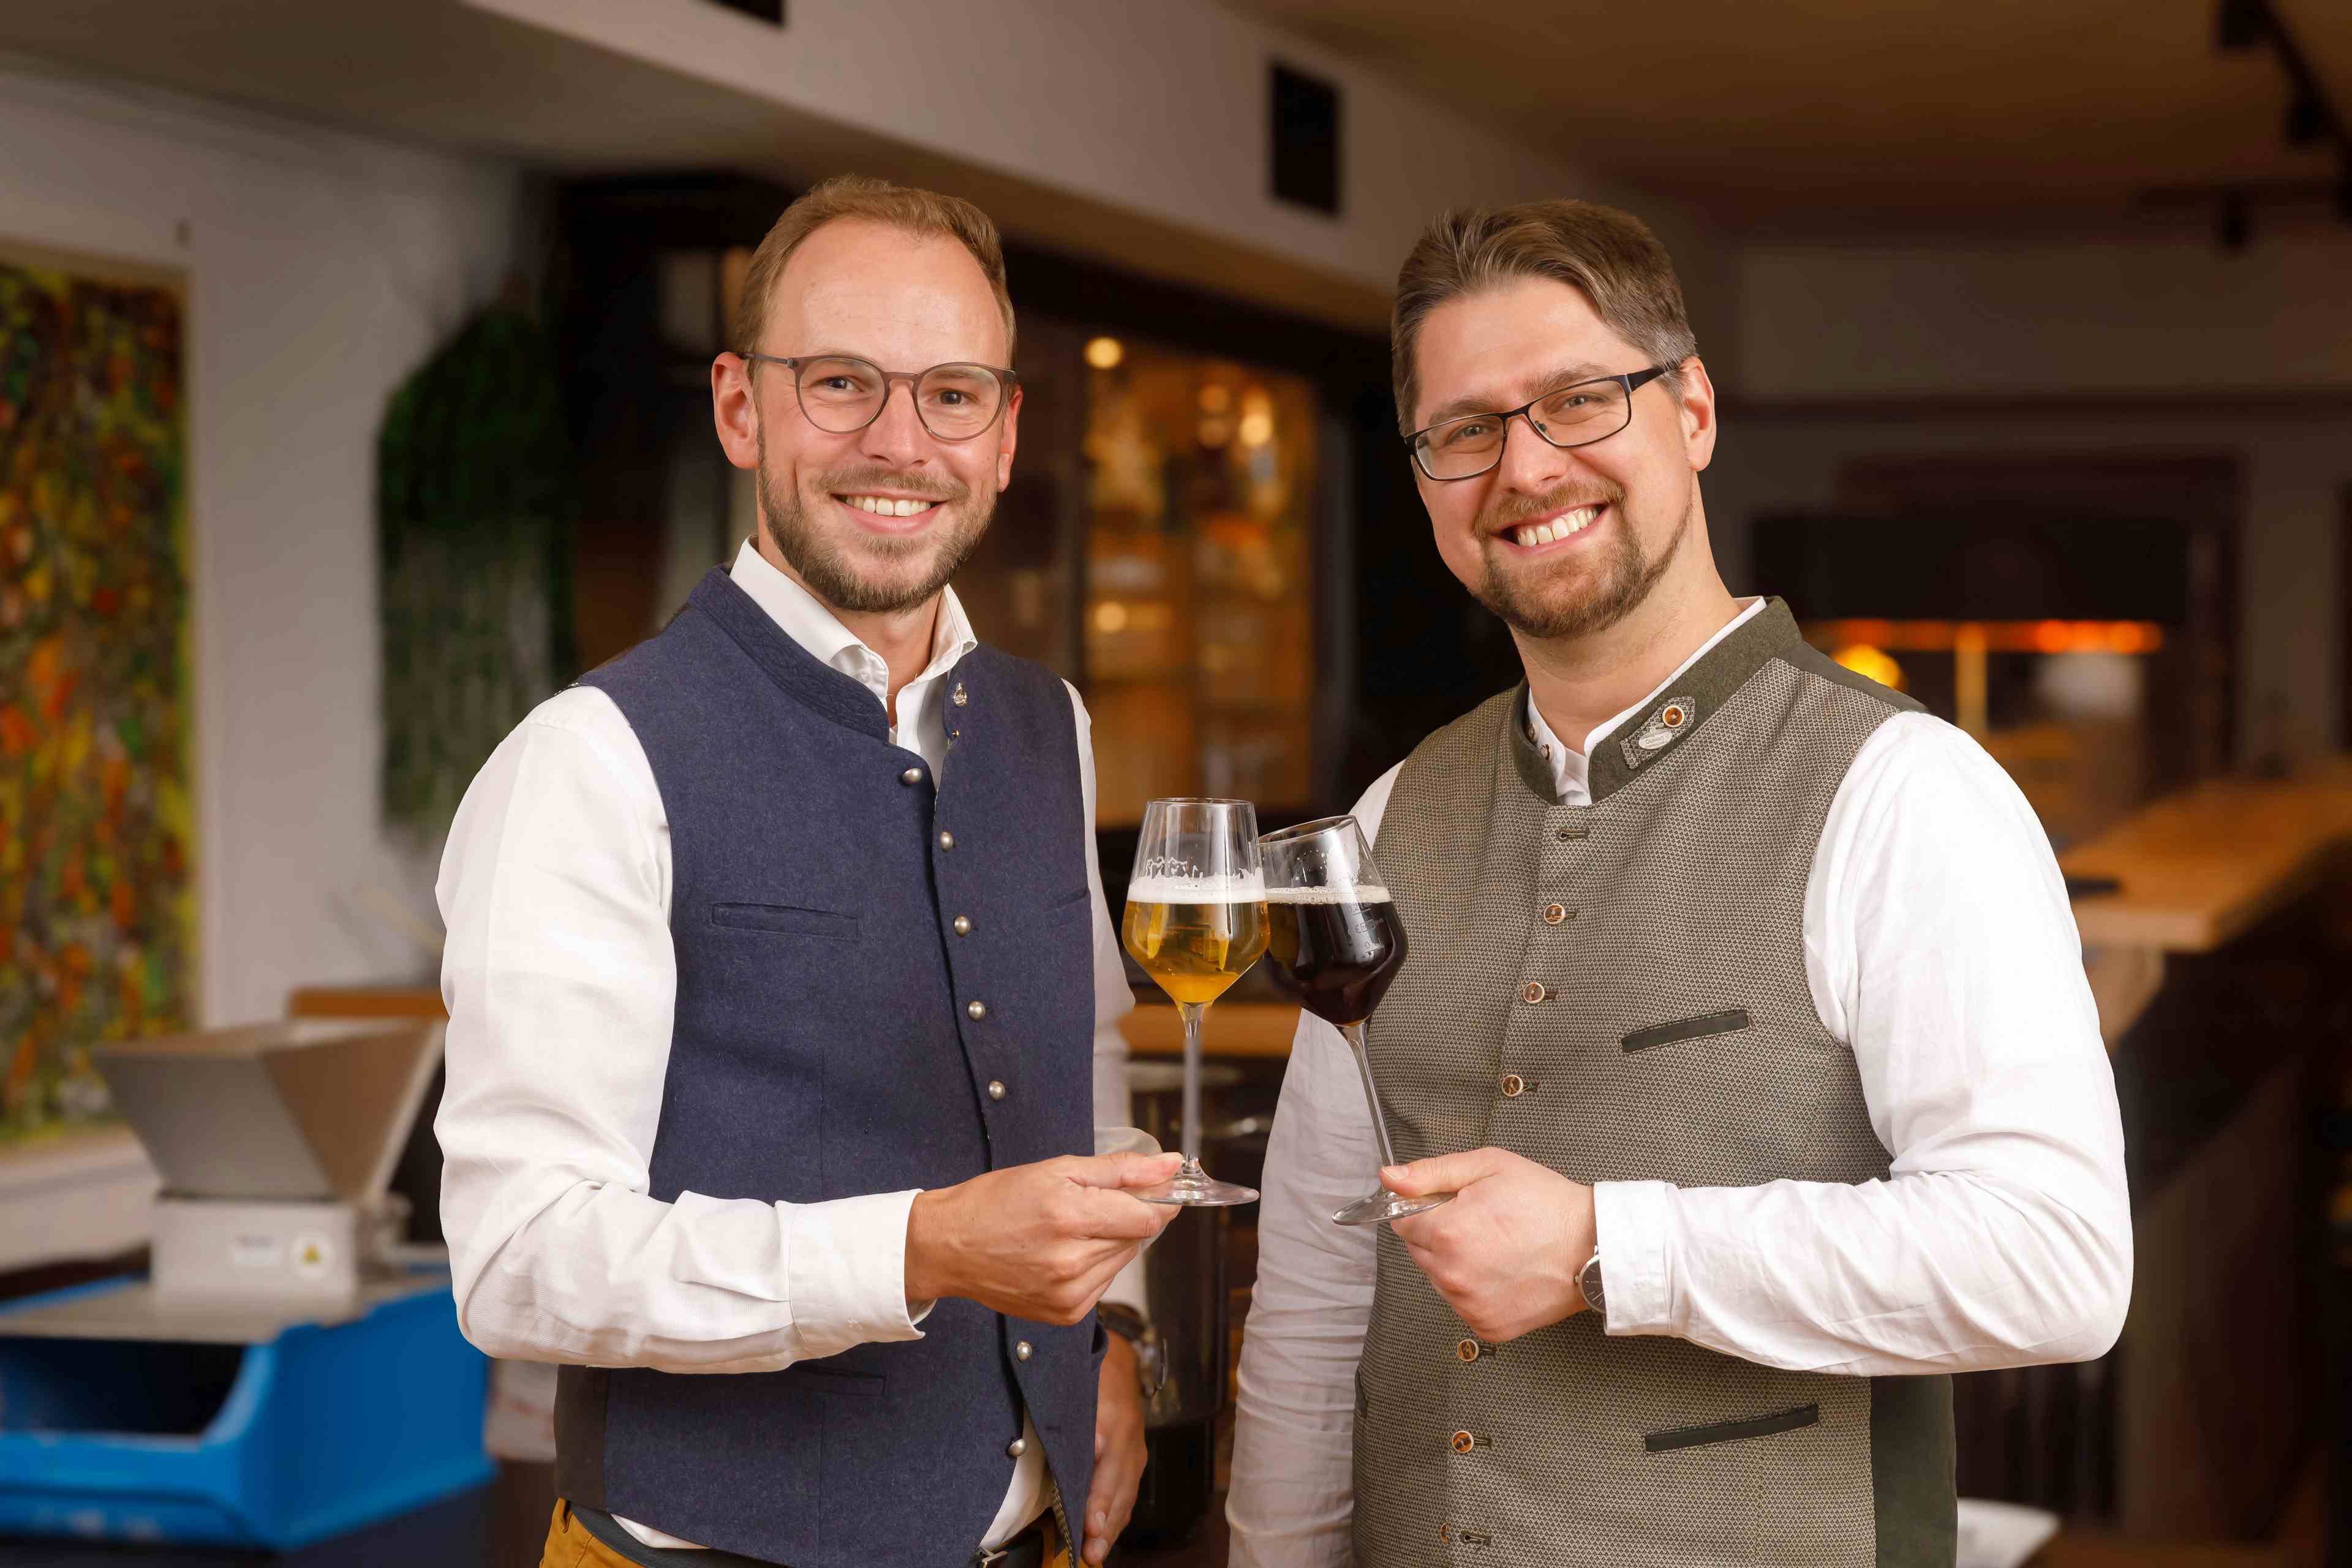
(1539, 602)
(789, 522)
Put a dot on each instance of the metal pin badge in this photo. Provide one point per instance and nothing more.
(957, 697)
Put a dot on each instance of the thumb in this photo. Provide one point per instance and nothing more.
(1440, 1173)
(1123, 1170)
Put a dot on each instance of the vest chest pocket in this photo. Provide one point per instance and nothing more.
(1733, 1431)
(1731, 1021)
(786, 920)
(1066, 907)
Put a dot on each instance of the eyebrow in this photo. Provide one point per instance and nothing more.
(1564, 376)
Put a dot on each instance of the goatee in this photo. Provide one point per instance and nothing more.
(1532, 603)
(827, 568)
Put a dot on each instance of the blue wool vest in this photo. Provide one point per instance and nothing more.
(835, 1036)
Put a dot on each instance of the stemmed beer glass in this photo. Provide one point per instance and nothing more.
(1195, 920)
(1335, 928)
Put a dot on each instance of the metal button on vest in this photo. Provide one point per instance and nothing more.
(995, 1090)
(1555, 913)
(1021, 1352)
(1514, 1086)
(975, 1010)
(1535, 992)
(911, 777)
(1018, 1446)
(1462, 1442)
(1469, 1350)
(947, 839)
(963, 925)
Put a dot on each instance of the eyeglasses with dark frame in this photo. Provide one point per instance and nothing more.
(841, 394)
(1566, 416)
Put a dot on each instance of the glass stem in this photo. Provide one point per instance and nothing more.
(1191, 1012)
(1355, 1032)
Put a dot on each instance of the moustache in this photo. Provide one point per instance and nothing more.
(875, 477)
(1512, 511)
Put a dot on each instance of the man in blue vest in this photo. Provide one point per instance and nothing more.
(782, 996)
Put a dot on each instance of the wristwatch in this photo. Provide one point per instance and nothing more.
(1588, 1280)
(1150, 1355)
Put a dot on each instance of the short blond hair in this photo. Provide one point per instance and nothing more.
(916, 212)
(1609, 257)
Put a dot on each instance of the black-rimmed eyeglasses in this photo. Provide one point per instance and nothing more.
(840, 393)
(1469, 445)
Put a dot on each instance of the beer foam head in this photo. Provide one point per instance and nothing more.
(1327, 896)
(1238, 888)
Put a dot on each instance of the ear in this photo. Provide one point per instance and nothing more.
(1008, 436)
(1696, 411)
(735, 409)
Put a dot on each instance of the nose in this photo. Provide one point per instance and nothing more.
(897, 437)
(1529, 462)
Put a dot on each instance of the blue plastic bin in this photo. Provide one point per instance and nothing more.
(281, 1444)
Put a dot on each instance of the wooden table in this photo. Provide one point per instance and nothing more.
(2199, 869)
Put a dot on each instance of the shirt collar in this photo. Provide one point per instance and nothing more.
(1569, 767)
(807, 621)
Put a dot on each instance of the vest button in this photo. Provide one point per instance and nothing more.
(975, 1010)
(1018, 1446)
(1555, 913)
(996, 1091)
(963, 925)
(1535, 992)
(1468, 1350)
(947, 839)
(1022, 1351)
(1462, 1442)
(911, 777)
(1514, 1086)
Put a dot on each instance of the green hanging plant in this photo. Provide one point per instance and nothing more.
(473, 477)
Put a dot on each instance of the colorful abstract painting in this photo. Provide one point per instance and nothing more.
(96, 894)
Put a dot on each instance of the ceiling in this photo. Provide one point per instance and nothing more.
(1806, 115)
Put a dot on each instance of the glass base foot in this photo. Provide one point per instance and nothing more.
(1382, 1207)
(1192, 1187)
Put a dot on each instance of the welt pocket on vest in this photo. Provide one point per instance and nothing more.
(788, 918)
(830, 1379)
(1067, 905)
(1788, 1420)
(1728, 1022)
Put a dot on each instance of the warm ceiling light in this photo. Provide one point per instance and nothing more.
(1104, 353)
(1870, 664)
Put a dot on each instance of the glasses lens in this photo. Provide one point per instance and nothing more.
(958, 400)
(1460, 447)
(840, 394)
(1575, 414)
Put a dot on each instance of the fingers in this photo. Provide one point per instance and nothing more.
(1123, 1170)
(1442, 1173)
(1114, 1217)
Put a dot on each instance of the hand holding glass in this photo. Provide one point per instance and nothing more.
(1334, 927)
(1195, 920)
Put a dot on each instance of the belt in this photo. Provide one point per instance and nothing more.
(1026, 1550)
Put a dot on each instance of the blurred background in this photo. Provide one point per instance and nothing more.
(353, 399)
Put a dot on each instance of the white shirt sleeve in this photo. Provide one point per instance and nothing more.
(1293, 1496)
(1114, 1107)
(1940, 946)
(559, 980)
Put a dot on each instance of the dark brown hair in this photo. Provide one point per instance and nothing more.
(1609, 257)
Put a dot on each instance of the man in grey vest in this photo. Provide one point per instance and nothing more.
(1745, 1013)
(783, 1001)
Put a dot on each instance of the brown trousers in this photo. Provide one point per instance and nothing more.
(570, 1546)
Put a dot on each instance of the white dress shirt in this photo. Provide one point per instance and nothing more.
(559, 980)
(1940, 950)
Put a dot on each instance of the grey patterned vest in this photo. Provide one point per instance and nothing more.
(1618, 992)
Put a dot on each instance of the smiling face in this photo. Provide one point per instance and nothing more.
(1559, 543)
(876, 520)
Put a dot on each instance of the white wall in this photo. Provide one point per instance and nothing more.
(1849, 352)
(321, 269)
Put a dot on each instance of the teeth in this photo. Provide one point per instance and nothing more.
(1534, 533)
(884, 506)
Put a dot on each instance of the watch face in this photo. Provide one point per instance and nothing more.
(1590, 1283)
